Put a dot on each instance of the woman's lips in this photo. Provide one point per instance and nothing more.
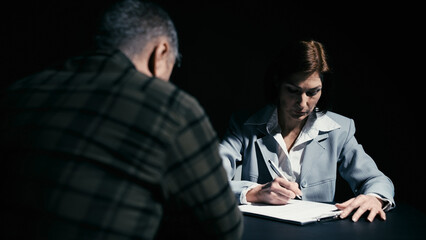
(299, 113)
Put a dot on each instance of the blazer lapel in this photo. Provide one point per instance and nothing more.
(269, 148)
(313, 151)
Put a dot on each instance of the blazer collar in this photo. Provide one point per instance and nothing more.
(317, 122)
(318, 125)
(261, 118)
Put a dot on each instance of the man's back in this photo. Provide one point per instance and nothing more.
(99, 150)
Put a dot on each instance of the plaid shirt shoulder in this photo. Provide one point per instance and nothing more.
(113, 152)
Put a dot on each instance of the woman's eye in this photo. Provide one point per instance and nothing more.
(292, 90)
(312, 92)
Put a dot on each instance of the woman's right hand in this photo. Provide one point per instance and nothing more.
(279, 191)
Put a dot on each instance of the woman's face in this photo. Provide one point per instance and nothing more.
(300, 95)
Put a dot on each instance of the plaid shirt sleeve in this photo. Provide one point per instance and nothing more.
(196, 180)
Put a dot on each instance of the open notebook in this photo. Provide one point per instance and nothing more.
(296, 211)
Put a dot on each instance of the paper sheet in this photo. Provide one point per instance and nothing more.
(296, 211)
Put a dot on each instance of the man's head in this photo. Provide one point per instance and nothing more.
(144, 32)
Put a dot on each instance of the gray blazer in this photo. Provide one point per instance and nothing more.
(247, 146)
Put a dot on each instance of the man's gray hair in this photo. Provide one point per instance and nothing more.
(130, 24)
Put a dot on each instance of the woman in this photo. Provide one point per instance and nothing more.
(305, 141)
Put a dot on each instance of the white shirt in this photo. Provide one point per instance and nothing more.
(316, 122)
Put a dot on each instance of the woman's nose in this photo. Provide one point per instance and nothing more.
(302, 100)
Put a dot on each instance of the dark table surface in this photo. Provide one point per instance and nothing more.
(403, 222)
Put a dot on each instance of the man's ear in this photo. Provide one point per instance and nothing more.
(151, 62)
(160, 62)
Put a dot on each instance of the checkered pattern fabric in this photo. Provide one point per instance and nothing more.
(97, 150)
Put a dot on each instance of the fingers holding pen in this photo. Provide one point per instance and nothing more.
(278, 191)
(274, 193)
(292, 186)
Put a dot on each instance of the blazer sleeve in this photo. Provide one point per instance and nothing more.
(231, 150)
(360, 170)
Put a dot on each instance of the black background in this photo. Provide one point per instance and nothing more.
(375, 52)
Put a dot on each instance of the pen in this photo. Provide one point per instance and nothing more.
(331, 217)
(280, 174)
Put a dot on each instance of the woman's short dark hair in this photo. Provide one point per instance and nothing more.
(300, 56)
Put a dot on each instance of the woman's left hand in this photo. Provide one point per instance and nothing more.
(362, 203)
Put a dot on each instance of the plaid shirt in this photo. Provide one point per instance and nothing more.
(97, 150)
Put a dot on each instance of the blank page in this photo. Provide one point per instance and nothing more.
(296, 211)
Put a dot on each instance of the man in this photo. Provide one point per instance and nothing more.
(105, 147)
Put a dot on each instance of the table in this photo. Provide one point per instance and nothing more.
(403, 222)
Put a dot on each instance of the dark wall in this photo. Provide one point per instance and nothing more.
(226, 45)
